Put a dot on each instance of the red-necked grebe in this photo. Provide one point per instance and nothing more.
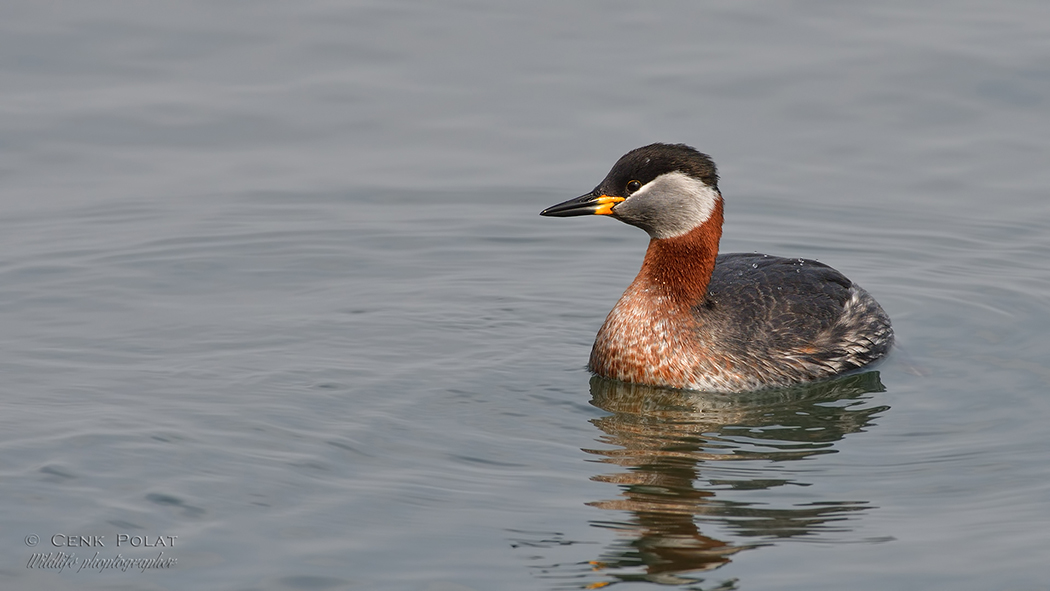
(694, 319)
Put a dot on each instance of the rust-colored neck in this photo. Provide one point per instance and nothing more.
(680, 267)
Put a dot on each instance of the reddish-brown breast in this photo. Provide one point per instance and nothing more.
(652, 335)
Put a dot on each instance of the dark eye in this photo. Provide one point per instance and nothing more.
(633, 186)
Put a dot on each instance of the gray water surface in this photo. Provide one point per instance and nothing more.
(273, 289)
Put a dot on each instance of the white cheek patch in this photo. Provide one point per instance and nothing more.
(673, 203)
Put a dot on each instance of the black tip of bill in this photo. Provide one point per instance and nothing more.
(589, 204)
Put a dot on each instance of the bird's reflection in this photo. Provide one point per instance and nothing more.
(693, 461)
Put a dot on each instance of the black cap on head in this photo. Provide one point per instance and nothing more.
(648, 162)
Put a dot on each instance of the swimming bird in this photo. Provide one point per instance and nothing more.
(697, 320)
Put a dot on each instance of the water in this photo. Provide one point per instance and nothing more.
(272, 281)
